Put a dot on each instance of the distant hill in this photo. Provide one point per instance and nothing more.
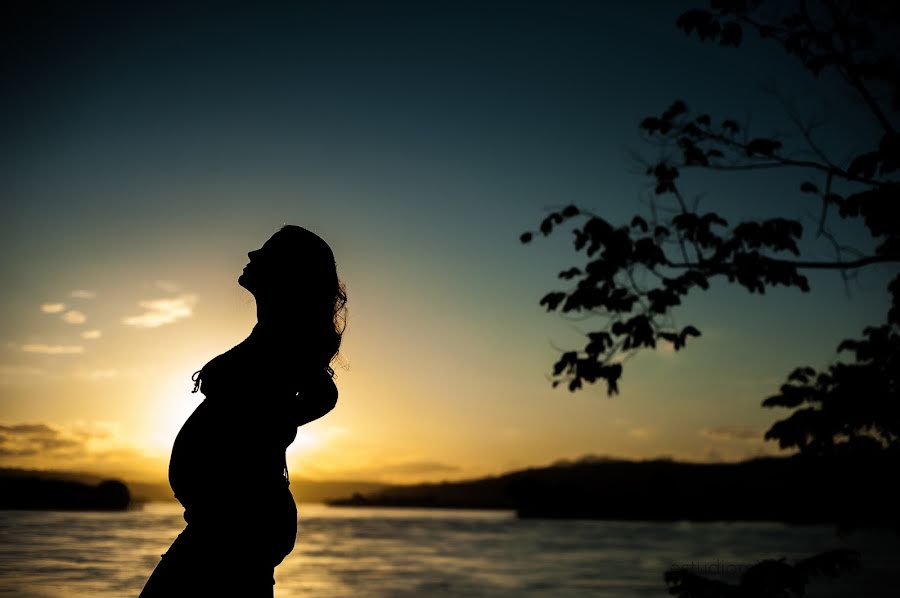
(141, 492)
(316, 491)
(23, 491)
(776, 489)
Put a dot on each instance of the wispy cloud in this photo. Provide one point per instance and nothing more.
(159, 312)
(82, 294)
(39, 439)
(73, 316)
(52, 308)
(98, 374)
(402, 471)
(737, 432)
(91, 334)
(169, 286)
(95, 447)
(80, 445)
(418, 467)
(52, 349)
(640, 433)
(9, 371)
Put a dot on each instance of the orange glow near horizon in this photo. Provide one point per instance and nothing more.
(145, 157)
(465, 399)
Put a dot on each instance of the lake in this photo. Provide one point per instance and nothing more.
(364, 552)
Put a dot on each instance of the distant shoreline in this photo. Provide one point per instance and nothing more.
(790, 490)
(31, 493)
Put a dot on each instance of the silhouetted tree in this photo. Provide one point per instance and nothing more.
(767, 579)
(852, 404)
(636, 274)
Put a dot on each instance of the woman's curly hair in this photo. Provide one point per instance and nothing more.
(323, 298)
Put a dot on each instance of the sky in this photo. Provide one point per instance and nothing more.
(146, 149)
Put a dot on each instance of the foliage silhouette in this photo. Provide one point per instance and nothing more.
(686, 252)
(852, 410)
(770, 578)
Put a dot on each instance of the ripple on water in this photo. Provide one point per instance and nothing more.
(420, 552)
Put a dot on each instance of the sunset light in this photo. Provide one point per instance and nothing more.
(621, 287)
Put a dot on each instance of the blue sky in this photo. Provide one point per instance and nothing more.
(146, 149)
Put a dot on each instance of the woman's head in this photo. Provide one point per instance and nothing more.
(294, 279)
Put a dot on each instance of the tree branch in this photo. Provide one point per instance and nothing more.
(839, 265)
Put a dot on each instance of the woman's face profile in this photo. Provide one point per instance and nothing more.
(266, 267)
(291, 266)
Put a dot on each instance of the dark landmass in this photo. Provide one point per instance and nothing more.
(315, 491)
(31, 492)
(791, 489)
(142, 492)
(304, 491)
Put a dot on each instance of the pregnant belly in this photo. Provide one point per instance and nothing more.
(265, 526)
(232, 491)
(190, 463)
(282, 526)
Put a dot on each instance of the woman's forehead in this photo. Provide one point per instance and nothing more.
(293, 241)
(279, 239)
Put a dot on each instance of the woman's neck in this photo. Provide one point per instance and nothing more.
(279, 331)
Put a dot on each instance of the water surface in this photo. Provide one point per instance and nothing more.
(362, 552)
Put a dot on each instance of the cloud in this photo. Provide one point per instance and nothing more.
(73, 316)
(640, 433)
(737, 432)
(78, 445)
(31, 440)
(7, 371)
(169, 286)
(395, 472)
(95, 430)
(52, 308)
(18, 374)
(417, 467)
(82, 294)
(99, 374)
(162, 311)
(91, 334)
(53, 349)
(96, 446)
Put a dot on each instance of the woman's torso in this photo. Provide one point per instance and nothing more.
(227, 466)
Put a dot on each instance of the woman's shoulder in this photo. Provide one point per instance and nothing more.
(263, 367)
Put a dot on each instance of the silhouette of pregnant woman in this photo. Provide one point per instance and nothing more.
(228, 465)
